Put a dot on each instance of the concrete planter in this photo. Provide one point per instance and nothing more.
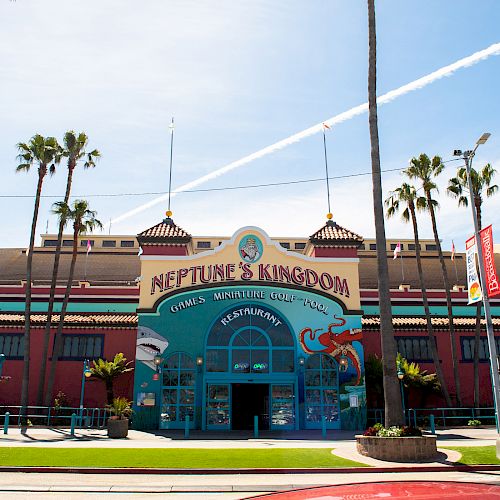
(397, 449)
(118, 428)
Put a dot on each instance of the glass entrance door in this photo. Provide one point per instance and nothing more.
(282, 407)
(218, 407)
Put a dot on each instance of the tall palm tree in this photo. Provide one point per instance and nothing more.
(458, 187)
(84, 221)
(392, 395)
(406, 196)
(74, 150)
(426, 170)
(45, 153)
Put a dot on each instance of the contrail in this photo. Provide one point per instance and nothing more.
(335, 120)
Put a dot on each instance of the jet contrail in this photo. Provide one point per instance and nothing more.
(335, 120)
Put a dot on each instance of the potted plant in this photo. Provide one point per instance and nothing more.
(121, 409)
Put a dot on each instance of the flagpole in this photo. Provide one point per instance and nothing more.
(85, 274)
(454, 261)
(171, 152)
(326, 169)
(402, 267)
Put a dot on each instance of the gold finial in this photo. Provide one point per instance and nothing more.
(168, 213)
(329, 216)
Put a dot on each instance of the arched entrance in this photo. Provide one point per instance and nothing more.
(250, 370)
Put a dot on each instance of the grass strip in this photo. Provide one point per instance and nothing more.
(476, 455)
(177, 458)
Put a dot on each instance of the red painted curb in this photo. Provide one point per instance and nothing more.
(339, 470)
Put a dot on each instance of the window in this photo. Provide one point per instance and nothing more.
(394, 245)
(412, 246)
(362, 246)
(285, 244)
(109, 243)
(50, 243)
(179, 376)
(67, 243)
(127, 243)
(321, 390)
(414, 348)
(12, 345)
(83, 243)
(431, 247)
(468, 348)
(79, 347)
(300, 246)
(373, 246)
(203, 244)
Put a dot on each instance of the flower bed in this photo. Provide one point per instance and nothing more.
(398, 449)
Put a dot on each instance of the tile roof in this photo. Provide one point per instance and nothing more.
(419, 322)
(118, 320)
(333, 234)
(164, 232)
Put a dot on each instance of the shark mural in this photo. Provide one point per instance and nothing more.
(149, 345)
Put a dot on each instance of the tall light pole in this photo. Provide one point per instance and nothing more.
(401, 376)
(495, 379)
(86, 373)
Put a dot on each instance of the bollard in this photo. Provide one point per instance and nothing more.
(255, 426)
(433, 426)
(186, 428)
(73, 423)
(323, 427)
(6, 423)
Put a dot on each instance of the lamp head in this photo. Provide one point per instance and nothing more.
(87, 373)
(157, 360)
(483, 138)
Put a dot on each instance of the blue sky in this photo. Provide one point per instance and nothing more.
(239, 76)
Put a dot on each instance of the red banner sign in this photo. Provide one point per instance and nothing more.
(492, 282)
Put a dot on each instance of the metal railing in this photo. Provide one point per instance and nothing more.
(443, 417)
(52, 416)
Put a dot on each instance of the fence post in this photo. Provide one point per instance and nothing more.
(73, 423)
(48, 417)
(186, 427)
(255, 426)
(432, 424)
(323, 426)
(6, 423)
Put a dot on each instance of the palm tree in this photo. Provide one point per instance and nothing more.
(75, 150)
(406, 196)
(107, 371)
(457, 187)
(393, 403)
(426, 170)
(45, 153)
(84, 221)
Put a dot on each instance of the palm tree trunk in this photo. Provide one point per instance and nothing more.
(392, 394)
(42, 170)
(109, 390)
(477, 330)
(430, 330)
(58, 341)
(446, 281)
(50, 310)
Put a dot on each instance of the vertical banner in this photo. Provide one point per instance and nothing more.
(492, 284)
(473, 286)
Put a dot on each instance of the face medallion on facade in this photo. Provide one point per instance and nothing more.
(250, 248)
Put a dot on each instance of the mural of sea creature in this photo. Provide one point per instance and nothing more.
(336, 345)
(149, 345)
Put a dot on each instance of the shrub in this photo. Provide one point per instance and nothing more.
(390, 432)
(121, 407)
(410, 431)
(474, 423)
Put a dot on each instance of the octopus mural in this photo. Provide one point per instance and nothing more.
(336, 344)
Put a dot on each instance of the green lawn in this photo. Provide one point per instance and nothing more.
(179, 458)
(477, 455)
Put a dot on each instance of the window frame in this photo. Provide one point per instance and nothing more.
(411, 359)
(82, 358)
(8, 356)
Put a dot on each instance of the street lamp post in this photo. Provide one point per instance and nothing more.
(86, 373)
(401, 375)
(495, 379)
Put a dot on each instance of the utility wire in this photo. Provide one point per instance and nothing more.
(207, 190)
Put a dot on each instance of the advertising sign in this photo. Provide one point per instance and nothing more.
(492, 284)
(473, 286)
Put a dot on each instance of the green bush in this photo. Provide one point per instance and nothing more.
(474, 423)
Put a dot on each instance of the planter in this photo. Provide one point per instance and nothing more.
(397, 449)
(118, 428)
